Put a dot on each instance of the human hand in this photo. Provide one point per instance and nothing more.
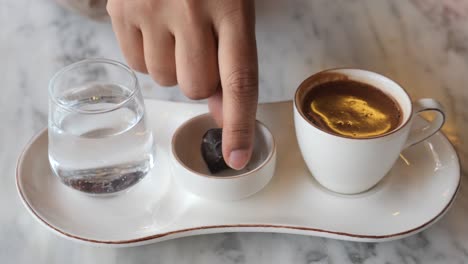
(202, 46)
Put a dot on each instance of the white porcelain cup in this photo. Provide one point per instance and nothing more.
(351, 165)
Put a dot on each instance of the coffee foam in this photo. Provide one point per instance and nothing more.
(351, 109)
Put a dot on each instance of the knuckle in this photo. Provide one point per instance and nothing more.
(141, 9)
(114, 8)
(164, 77)
(148, 7)
(133, 61)
(167, 82)
(195, 93)
(243, 84)
(236, 12)
(239, 135)
(190, 5)
(240, 131)
(137, 66)
(191, 9)
(199, 87)
(232, 15)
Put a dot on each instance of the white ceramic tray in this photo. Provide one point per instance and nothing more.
(415, 194)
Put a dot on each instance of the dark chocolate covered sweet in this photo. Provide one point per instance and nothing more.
(212, 150)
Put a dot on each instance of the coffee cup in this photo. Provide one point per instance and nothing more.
(347, 164)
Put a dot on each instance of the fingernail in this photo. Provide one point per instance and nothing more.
(238, 159)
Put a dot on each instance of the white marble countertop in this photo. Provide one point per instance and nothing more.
(423, 44)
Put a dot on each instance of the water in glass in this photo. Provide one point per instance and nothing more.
(98, 151)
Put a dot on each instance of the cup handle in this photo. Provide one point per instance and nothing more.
(418, 134)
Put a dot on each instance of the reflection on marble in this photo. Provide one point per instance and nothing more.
(422, 44)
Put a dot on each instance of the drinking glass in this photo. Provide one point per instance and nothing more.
(99, 139)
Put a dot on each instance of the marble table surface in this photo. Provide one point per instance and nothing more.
(423, 44)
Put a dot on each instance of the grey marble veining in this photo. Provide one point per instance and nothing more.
(422, 44)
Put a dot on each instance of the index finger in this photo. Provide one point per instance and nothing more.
(238, 68)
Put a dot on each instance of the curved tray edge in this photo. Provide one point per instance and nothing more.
(201, 230)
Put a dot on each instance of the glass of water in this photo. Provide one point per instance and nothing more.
(99, 139)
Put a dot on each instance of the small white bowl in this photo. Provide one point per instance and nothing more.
(191, 171)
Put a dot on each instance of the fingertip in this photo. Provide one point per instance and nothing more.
(239, 158)
(237, 146)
